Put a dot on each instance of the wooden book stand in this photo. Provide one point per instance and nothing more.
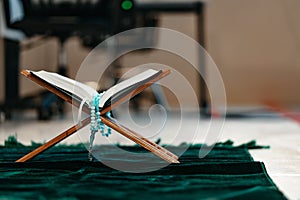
(135, 137)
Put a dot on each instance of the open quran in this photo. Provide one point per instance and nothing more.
(83, 96)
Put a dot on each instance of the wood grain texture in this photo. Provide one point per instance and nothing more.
(135, 137)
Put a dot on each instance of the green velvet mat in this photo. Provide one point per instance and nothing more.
(63, 172)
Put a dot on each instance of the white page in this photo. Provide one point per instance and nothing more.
(124, 84)
(86, 92)
(79, 89)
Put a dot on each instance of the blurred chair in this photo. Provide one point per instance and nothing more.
(92, 21)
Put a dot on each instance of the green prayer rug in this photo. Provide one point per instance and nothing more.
(227, 172)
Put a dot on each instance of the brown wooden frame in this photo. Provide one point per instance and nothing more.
(135, 137)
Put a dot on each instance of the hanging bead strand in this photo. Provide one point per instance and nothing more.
(96, 123)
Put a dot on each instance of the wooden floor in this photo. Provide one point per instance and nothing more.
(282, 134)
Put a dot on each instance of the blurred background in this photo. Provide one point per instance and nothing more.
(255, 44)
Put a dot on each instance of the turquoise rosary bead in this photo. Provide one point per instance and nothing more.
(96, 123)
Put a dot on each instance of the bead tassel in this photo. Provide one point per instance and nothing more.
(96, 123)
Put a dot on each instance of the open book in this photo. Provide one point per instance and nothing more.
(82, 91)
(67, 89)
